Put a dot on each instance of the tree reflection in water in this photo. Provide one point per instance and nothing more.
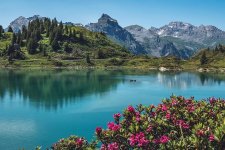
(53, 89)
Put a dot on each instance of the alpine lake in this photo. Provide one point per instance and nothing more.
(37, 108)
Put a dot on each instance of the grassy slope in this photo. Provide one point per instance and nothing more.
(93, 42)
(216, 60)
(116, 56)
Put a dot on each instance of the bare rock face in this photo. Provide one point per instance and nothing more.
(207, 35)
(22, 21)
(114, 31)
(177, 38)
(160, 46)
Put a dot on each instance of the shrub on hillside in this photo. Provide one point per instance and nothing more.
(177, 123)
(73, 143)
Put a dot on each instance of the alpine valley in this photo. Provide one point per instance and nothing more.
(175, 39)
(106, 43)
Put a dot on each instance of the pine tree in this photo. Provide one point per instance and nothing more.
(10, 50)
(81, 38)
(70, 33)
(37, 34)
(101, 54)
(216, 49)
(55, 45)
(6, 47)
(45, 52)
(54, 24)
(24, 32)
(61, 26)
(67, 48)
(40, 47)
(203, 59)
(13, 41)
(42, 28)
(10, 29)
(1, 30)
(74, 34)
(223, 49)
(32, 46)
(88, 60)
(66, 30)
(59, 34)
(19, 38)
(47, 26)
(220, 48)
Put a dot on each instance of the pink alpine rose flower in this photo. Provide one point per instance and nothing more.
(79, 142)
(212, 100)
(132, 140)
(131, 109)
(191, 108)
(113, 146)
(113, 127)
(152, 106)
(149, 129)
(156, 141)
(103, 147)
(164, 107)
(138, 139)
(174, 102)
(98, 130)
(152, 114)
(168, 115)
(164, 139)
(211, 138)
(117, 116)
(183, 124)
(200, 133)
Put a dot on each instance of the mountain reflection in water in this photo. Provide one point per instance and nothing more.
(53, 89)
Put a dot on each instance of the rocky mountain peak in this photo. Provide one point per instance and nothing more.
(35, 17)
(106, 19)
(135, 27)
(18, 23)
(22, 21)
(179, 24)
(211, 28)
(116, 33)
(140, 33)
(20, 18)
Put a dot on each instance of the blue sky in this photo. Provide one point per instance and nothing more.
(146, 13)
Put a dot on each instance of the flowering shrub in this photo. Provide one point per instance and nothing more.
(73, 143)
(177, 123)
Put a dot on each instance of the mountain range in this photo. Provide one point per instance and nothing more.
(22, 21)
(175, 39)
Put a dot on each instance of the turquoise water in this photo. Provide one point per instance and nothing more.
(40, 107)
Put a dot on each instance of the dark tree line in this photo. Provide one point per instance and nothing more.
(57, 33)
(203, 59)
(220, 48)
(1, 31)
(10, 29)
